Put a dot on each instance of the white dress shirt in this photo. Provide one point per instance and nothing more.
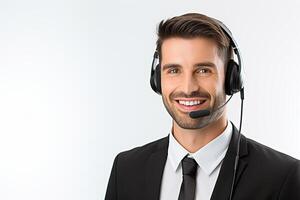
(209, 159)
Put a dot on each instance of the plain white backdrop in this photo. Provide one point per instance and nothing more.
(74, 86)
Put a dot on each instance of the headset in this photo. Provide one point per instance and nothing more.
(233, 77)
(233, 83)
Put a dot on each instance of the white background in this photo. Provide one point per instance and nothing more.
(74, 86)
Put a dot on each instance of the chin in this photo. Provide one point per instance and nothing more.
(192, 124)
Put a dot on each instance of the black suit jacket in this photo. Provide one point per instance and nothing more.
(263, 173)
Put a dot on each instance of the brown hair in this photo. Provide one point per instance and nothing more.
(193, 25)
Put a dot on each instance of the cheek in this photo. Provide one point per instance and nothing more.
(213, 86)
(168, 85)
(218, 82)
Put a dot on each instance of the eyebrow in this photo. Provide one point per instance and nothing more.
(170, 65)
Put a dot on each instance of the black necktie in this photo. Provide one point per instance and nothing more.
(189, 170)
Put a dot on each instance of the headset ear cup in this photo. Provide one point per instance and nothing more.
(155, 80)
(233, 81)
(158, 79)
(152, 80)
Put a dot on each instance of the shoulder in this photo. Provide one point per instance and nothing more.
(267, 165)
(270, 162)
(143, 152)
(262, 152)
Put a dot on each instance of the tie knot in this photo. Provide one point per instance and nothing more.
(189, 166)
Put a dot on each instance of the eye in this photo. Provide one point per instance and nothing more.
(173, 71)
(204, 71)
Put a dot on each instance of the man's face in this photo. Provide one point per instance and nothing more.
(192, 78)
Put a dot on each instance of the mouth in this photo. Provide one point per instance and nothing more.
(192, 104)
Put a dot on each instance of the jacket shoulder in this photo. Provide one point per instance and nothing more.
(268, 154)
(276, 172)
(269, 164)
(143, 152)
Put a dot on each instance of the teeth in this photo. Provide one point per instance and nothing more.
(190, 103)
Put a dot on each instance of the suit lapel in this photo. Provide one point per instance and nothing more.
(223, 185)
(154, 170)
(157, 160)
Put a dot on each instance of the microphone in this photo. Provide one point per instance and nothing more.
(199, 113)
(203, 113)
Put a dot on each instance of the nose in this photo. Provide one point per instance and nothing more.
(190, 84)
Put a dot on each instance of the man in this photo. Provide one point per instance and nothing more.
(197, 159)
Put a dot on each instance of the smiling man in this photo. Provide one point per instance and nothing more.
(192, 78)
(204, 156)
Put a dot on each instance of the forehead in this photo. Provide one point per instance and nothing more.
(178, 49)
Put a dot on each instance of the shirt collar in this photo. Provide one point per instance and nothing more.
(208, 157)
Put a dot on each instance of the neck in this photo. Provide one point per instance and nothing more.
(194, 139)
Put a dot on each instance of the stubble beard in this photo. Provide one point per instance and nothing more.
(184, 121)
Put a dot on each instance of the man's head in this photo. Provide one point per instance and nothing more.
(193, 52)
(194, 25)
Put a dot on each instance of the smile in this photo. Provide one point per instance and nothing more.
(191, 103)
(185, 105)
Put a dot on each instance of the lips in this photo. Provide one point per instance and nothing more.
(191, 103)
(188, 105)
